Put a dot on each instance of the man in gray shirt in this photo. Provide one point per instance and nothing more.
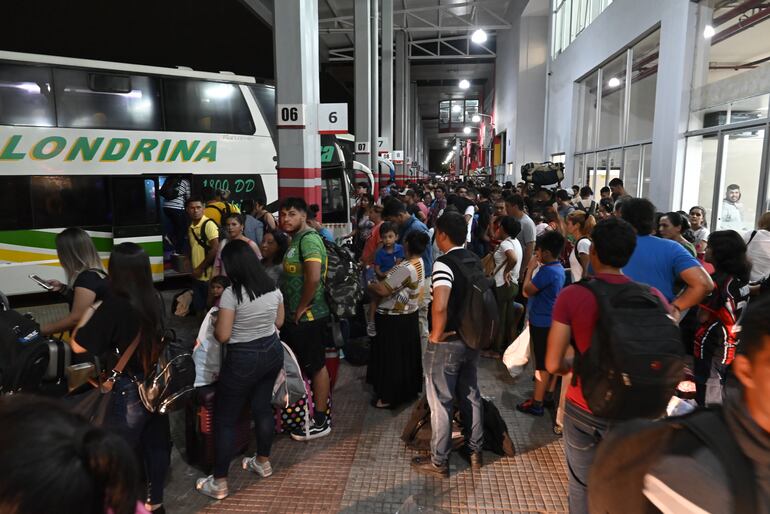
(514, 206)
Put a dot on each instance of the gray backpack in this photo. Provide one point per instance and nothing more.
(289, 386)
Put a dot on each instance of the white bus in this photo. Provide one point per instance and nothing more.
(88, 143)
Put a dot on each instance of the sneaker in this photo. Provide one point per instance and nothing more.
(371, 329)
(530, 407)
(424, 465)
(314, 432)
(209, 488)
(262, 469)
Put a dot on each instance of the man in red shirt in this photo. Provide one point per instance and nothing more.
(574, 317)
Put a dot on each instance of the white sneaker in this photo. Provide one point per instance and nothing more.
(209, 488)
(253, 465)
(371, 329)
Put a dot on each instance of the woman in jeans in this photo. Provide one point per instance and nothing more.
(131, 309)
(250, 311)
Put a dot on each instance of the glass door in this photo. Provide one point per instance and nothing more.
(737, 199)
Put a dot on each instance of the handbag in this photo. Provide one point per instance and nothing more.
(94, 404)
(516, 356)
(172, 380)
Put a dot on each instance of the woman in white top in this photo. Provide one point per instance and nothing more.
(758, 248)
(508, 257)
(700, 230)
(579, 226)
(250, 313)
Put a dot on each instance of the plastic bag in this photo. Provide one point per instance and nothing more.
(516, 356)
(207, 353)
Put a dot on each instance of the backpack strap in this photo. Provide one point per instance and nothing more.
(201, 239)
(751, 238)
(710, 428)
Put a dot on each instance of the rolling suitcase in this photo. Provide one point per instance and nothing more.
(199, 429)
(59, 357)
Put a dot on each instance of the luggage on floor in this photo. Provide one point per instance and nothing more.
(24, 353)
(299, 414)
(542, 173)
(417, 431)
(199, 429)
(59, 357)
(332, 366)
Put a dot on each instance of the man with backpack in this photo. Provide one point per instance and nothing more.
(204, 245)
(450, 365)
(582, 317)
(217, 206)
(307, 312)
(714, 460)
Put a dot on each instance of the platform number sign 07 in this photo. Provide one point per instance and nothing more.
(291, 115)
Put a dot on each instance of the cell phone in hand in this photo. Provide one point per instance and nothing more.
(42, 283)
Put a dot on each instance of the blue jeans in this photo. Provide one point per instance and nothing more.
(451, 372)
(247, 377)
(582, 433)
(146, 432)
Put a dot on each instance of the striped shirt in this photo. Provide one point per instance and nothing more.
(184, 194)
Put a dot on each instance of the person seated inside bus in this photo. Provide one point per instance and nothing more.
(217, 207)
(86, 278)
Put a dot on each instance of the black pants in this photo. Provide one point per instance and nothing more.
(179, 224)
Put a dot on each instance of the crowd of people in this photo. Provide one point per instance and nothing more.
(417, 248)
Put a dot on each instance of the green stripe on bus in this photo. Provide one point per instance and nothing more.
(46, 240)
(153, 248)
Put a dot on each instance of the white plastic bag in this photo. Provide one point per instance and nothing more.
(207, 353)
(516, 356)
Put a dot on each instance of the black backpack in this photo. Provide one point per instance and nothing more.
(590, 210)
(170, 188)
(625, 456)
(542, 173)
(478, 315)
(636, 358)
(24, 353)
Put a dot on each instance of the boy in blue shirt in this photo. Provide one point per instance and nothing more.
(543, 281)
(388, 256)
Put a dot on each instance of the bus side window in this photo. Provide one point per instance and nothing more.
(69, 201)
(25, 96)
(134, 201)
(15, 208)
(199, 106)
(86, 99)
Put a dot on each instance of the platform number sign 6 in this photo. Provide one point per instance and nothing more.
(291, 115)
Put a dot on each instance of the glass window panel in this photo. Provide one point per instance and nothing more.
(332, 197)
(14, 203)
(644, 77)
(586, 123)
(615, 164)
(198, 106)
(456, 115)
(25, 96)
(265, 96)
(590, 164)
(613, 91)
(579, 168)
(134, 201)
(471, 108)
(57, 201)
(646, 168)
(631, 159)
(749, 109)
(443, 115)
(86, 99)
(601, 169)
(741, 165)
(700, 171)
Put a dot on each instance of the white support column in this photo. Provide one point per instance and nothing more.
(295, 31)
(386, 125)
(375, 97)
(363, 78)
(399, 141)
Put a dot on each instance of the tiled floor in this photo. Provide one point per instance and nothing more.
(363, 466)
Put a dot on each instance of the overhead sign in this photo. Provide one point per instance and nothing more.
(291, 116)
(362, 146)
(383, 144)
(333, 118)
(398, 156)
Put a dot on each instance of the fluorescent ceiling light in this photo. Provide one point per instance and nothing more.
(464, 84)
(614, 82)
(709, 32)
(467, 130)
(456, 108)
(479, 36)
(476, 118)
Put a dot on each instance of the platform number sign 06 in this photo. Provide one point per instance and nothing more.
(291, 115)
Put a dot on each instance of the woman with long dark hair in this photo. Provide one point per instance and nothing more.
(234, 225)
(131, 311)
(676, 227)
(85, 275)
(250, 313)
(274, 246)
(716, 338)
